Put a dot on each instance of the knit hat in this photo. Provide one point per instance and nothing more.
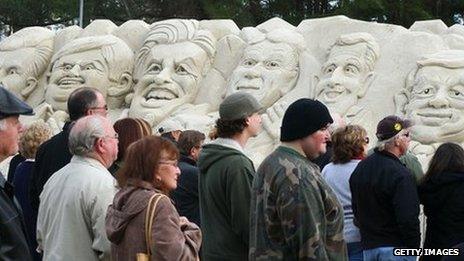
(390, 126)
(238, 106)
(302, 118)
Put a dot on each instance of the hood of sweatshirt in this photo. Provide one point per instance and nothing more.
(127, 204)
(214, 152)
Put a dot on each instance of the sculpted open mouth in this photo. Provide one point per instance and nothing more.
(161, 94)
(70, 81)
(332, 95)
(155, 97)
(247, 87)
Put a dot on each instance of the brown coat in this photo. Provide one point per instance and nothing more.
(125, 226)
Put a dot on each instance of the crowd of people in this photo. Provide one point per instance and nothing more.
(103, 191)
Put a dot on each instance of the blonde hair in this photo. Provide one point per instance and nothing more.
(34, 135)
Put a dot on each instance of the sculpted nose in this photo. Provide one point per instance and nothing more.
(252, 73)
(439, 101)
(75, 70)
(335, 78)
(163, 77)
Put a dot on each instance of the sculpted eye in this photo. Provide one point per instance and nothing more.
(154, 68)
(181, 70)
(67, 67)
(249, 62)
(427, 91)
(330, 69)
(13, 71)
(272, 64)
(351, 69)
(89, 67)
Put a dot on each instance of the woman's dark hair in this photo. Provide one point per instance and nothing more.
(348, 143)
(227, 129)
(142, 161)
(129, 131)
(449, 157)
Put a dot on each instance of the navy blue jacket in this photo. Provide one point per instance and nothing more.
(185, 195)
(385, 202)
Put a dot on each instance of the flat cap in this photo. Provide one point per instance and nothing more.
(10, 105)
(238, 106)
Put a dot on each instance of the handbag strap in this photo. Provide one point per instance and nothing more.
(149, 216)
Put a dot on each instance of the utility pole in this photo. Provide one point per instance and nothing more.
(81, 13)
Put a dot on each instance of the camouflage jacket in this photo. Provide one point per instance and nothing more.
(294, 213)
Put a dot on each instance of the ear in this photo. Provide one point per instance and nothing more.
(289, 87)
(314, 83)
(367, 83)
(123, 87)
(31, 85)
(401, 100)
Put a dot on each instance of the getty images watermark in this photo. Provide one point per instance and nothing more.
(425, 251)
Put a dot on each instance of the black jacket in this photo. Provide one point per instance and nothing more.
(13, 241)
(385, 202)
(51, 156)
(185, 195)
(443, 200)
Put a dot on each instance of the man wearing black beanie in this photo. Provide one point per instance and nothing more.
(294, 213)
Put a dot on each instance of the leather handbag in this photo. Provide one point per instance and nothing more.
(150, 215)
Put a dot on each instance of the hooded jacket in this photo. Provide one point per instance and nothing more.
(125, 228)
(443, 200)
(226, 175)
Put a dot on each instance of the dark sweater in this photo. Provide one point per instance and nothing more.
(186, 194)
(443, 200)
(385, 202)
(21, 183)
(51, 156)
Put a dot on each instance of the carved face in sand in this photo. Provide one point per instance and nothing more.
(13, 69)
(436, 104)
(344, 78)
(72, 71)
(265, 70)
(170, 78)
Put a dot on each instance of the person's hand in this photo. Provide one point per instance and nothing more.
(183, 221)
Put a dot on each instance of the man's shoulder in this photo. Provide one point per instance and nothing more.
(59, 139)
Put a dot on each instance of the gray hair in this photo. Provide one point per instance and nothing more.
(175, 31)
(84, 133)
(388, 143)
(116, 53)
(452, 59)
(41, 39)
(371, 53)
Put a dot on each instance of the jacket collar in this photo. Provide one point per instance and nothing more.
(387, 154)
(230, 143)
(88, 161)
(187, 159)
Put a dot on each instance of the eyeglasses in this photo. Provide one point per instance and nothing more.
(171, 163)
(100, 108)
